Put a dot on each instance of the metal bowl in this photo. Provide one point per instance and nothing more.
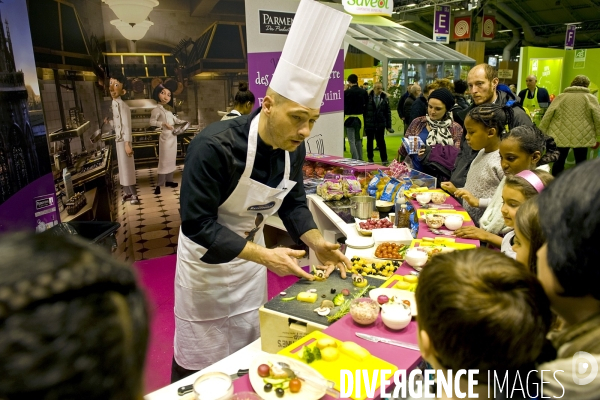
(180, 128)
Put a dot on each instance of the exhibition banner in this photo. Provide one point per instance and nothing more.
(369, 7)
(261, 67)
(549, 73)
(441, 24)
(488, 27)
(461, 27)
(570, 37)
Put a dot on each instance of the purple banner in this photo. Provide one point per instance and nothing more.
(261, 67)
(570, 37)
(441, 23)
(23, 211)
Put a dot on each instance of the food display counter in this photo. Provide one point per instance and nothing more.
(344, 329)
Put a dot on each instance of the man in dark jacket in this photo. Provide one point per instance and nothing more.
(355, 101)
(483, 82)
(378, 118)
(401, 102)
(415, 92)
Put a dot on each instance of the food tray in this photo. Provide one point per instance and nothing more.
(443, 242)
(331, 369)
(366, 232)
(421, 212)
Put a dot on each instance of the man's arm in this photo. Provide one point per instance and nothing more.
(543, 95)
(522, 95)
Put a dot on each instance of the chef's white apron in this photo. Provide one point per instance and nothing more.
(216, 305)
(126, 164)
(167, 149)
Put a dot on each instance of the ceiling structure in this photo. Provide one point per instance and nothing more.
(528, 22)
(522, 22)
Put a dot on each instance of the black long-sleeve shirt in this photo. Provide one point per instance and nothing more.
(214, 163)
(355, 100)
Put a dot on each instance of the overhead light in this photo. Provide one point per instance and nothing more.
(411, 3)
(416, 44)
(135, 32)
(131, 11)
(504, 30)
(572, 23)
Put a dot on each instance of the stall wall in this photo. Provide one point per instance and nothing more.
(264, 50)
(556, 68)
(27, 198)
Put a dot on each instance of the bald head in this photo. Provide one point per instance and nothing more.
(531, 82)
(415, 90)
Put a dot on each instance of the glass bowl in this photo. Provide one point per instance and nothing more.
(364, 310)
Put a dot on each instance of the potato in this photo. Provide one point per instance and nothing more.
(410, 279)
(307, 297)
(326, 342)
(355, 351)
(402, 285)
(330, 354)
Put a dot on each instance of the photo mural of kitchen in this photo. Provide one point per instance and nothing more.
(197, 51)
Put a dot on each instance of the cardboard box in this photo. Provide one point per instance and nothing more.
(278, 330)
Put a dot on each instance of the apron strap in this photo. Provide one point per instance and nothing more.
(251, 154)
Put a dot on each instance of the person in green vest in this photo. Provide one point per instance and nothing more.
(532, 96)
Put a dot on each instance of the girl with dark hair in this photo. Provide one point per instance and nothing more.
(485, 124)
(167, 149)
(529, 237)
(522, 148)
(243, 103)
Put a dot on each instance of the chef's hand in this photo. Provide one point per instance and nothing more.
(169, 127)
(284, 261)
(467, 196)
(449, 187)
(128, 149)
(105, 120)
(331, 258)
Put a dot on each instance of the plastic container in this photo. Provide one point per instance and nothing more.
(403, 217)
(213, 386)
(364, 310)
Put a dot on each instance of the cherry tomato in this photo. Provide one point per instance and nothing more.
(406, 302)
(295, 385)
(264, 370)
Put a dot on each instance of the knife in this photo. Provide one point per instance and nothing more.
(398, 343)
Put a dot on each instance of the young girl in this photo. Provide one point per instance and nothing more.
(243, 103)
(167, 149)
(529, 237)
(484, 125)
(522, 148)
(517, 190)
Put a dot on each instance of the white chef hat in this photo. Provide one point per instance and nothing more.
(309, 54)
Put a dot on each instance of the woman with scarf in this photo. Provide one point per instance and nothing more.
(440, 135)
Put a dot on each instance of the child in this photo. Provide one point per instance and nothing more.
(528, 234)
(517, 190)
(167, 149)
(243, 102)
(522, 148)
(121, 122)
(480, 310)
(484, 126)
(567, 267)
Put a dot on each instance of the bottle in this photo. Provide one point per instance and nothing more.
(68, 183)
(403, 217)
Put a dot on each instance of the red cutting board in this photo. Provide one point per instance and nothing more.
(331, 369)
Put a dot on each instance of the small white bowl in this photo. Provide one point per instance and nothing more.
(453, 221)
(423, 198)
(396, 316)
(416, 258)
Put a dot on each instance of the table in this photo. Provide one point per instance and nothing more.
(344, 329)
(87, 213)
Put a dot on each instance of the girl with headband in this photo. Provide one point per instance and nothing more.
(517, 190)
(522, 148)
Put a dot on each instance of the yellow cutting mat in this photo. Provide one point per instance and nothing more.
(422, 211)
(448, 242)
(331, 369)
(409, 192)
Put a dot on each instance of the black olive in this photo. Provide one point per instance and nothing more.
(373, 265)
(332, 290)
(323, 296)
(268, 387)
(364, 266)
(279, 392)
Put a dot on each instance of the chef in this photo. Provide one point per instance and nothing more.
(121, 123)
(236, 170)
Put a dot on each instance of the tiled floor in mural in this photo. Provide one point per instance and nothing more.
(149, 229)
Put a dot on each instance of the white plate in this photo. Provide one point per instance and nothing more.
(399, 294)
(360, 242)
(307, 392)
